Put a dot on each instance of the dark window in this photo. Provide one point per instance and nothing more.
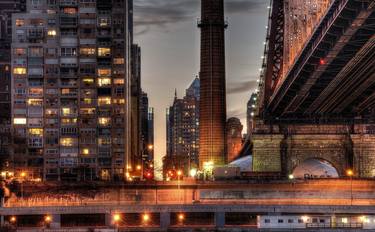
(290, 221)
(280, 221)
(267, 221)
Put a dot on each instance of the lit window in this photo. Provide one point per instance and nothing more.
(35, 102)
(35, 91)
(67, 142)
(85, 151)
(66, 111)
(20, 22)
(19, 71)
(118, 60)
(70, 10)
(87, 100)
(88, 81)
(36, 131)
(104, 51)
(52, 33)
(119, 101)
(87, 110)
(19, 121)
(344, 220)
(104, 101)
(118, 81)
(104, 72)
(103, 22)
(104, 81)
(20, 51)
(87, 51)
(104, 121)
(68, 121)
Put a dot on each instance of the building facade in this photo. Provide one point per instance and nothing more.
(7, 8)
(183, 131)
(71, 85)
(212, 78)
(147, 135)
(234, 138)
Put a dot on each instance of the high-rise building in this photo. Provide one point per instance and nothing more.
(234, 138)
(183, 131)
(7, 8)
(136, 93)
(212, 80)
(251, 110)
(71, 90)
(147, 135)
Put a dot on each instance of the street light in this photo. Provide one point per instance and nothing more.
(193, 172)
(13, 219)
(291, 177)
(146, 218)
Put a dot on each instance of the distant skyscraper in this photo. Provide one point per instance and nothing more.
(7, 8)
(183, 130)
(147, 133)
(212, 77)
(136, 94)
(234, 138)
(251, 107)
(71, 89)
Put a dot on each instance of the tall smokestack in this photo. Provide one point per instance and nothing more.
(212, 77)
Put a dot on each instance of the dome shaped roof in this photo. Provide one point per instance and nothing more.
(315, 168)
(245, 163)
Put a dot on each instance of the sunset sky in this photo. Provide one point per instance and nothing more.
(169, 38)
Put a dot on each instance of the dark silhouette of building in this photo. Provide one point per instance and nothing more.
(212, 78)
(147, 134)
(136, 94)
(234, 138)
(183, 131)
(7, 8)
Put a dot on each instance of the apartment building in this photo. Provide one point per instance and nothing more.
(70, 81)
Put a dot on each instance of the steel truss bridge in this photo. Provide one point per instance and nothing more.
(319, 61)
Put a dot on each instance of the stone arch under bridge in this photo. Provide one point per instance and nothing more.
(315, 168)
(330, 148)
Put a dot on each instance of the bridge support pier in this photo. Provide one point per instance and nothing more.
(165, 220)
(220, 219)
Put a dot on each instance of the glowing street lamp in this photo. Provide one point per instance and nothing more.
(291, 177)
(23, 174)
(116, 218)
(193, 172)
(146, 218)
(150, 147)
(181, 217)
(349, 172)
(48, 219)
(13, 219)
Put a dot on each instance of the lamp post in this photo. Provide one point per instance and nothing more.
(23, 175)
(350, 173)
(116, 218)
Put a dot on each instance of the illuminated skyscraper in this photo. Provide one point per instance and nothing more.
(71, 89)
(212, 78)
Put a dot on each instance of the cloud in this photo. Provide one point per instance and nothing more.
(159, 14)
(240, 87)
(238, 113)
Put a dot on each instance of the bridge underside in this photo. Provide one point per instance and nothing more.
(334, 77)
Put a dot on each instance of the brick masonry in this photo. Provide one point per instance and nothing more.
(284, 148)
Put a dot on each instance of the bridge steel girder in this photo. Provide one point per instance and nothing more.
(322, 59)
(274, 52)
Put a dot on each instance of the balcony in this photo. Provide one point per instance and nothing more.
(35, 35)
(72, 3)
(68, 21)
